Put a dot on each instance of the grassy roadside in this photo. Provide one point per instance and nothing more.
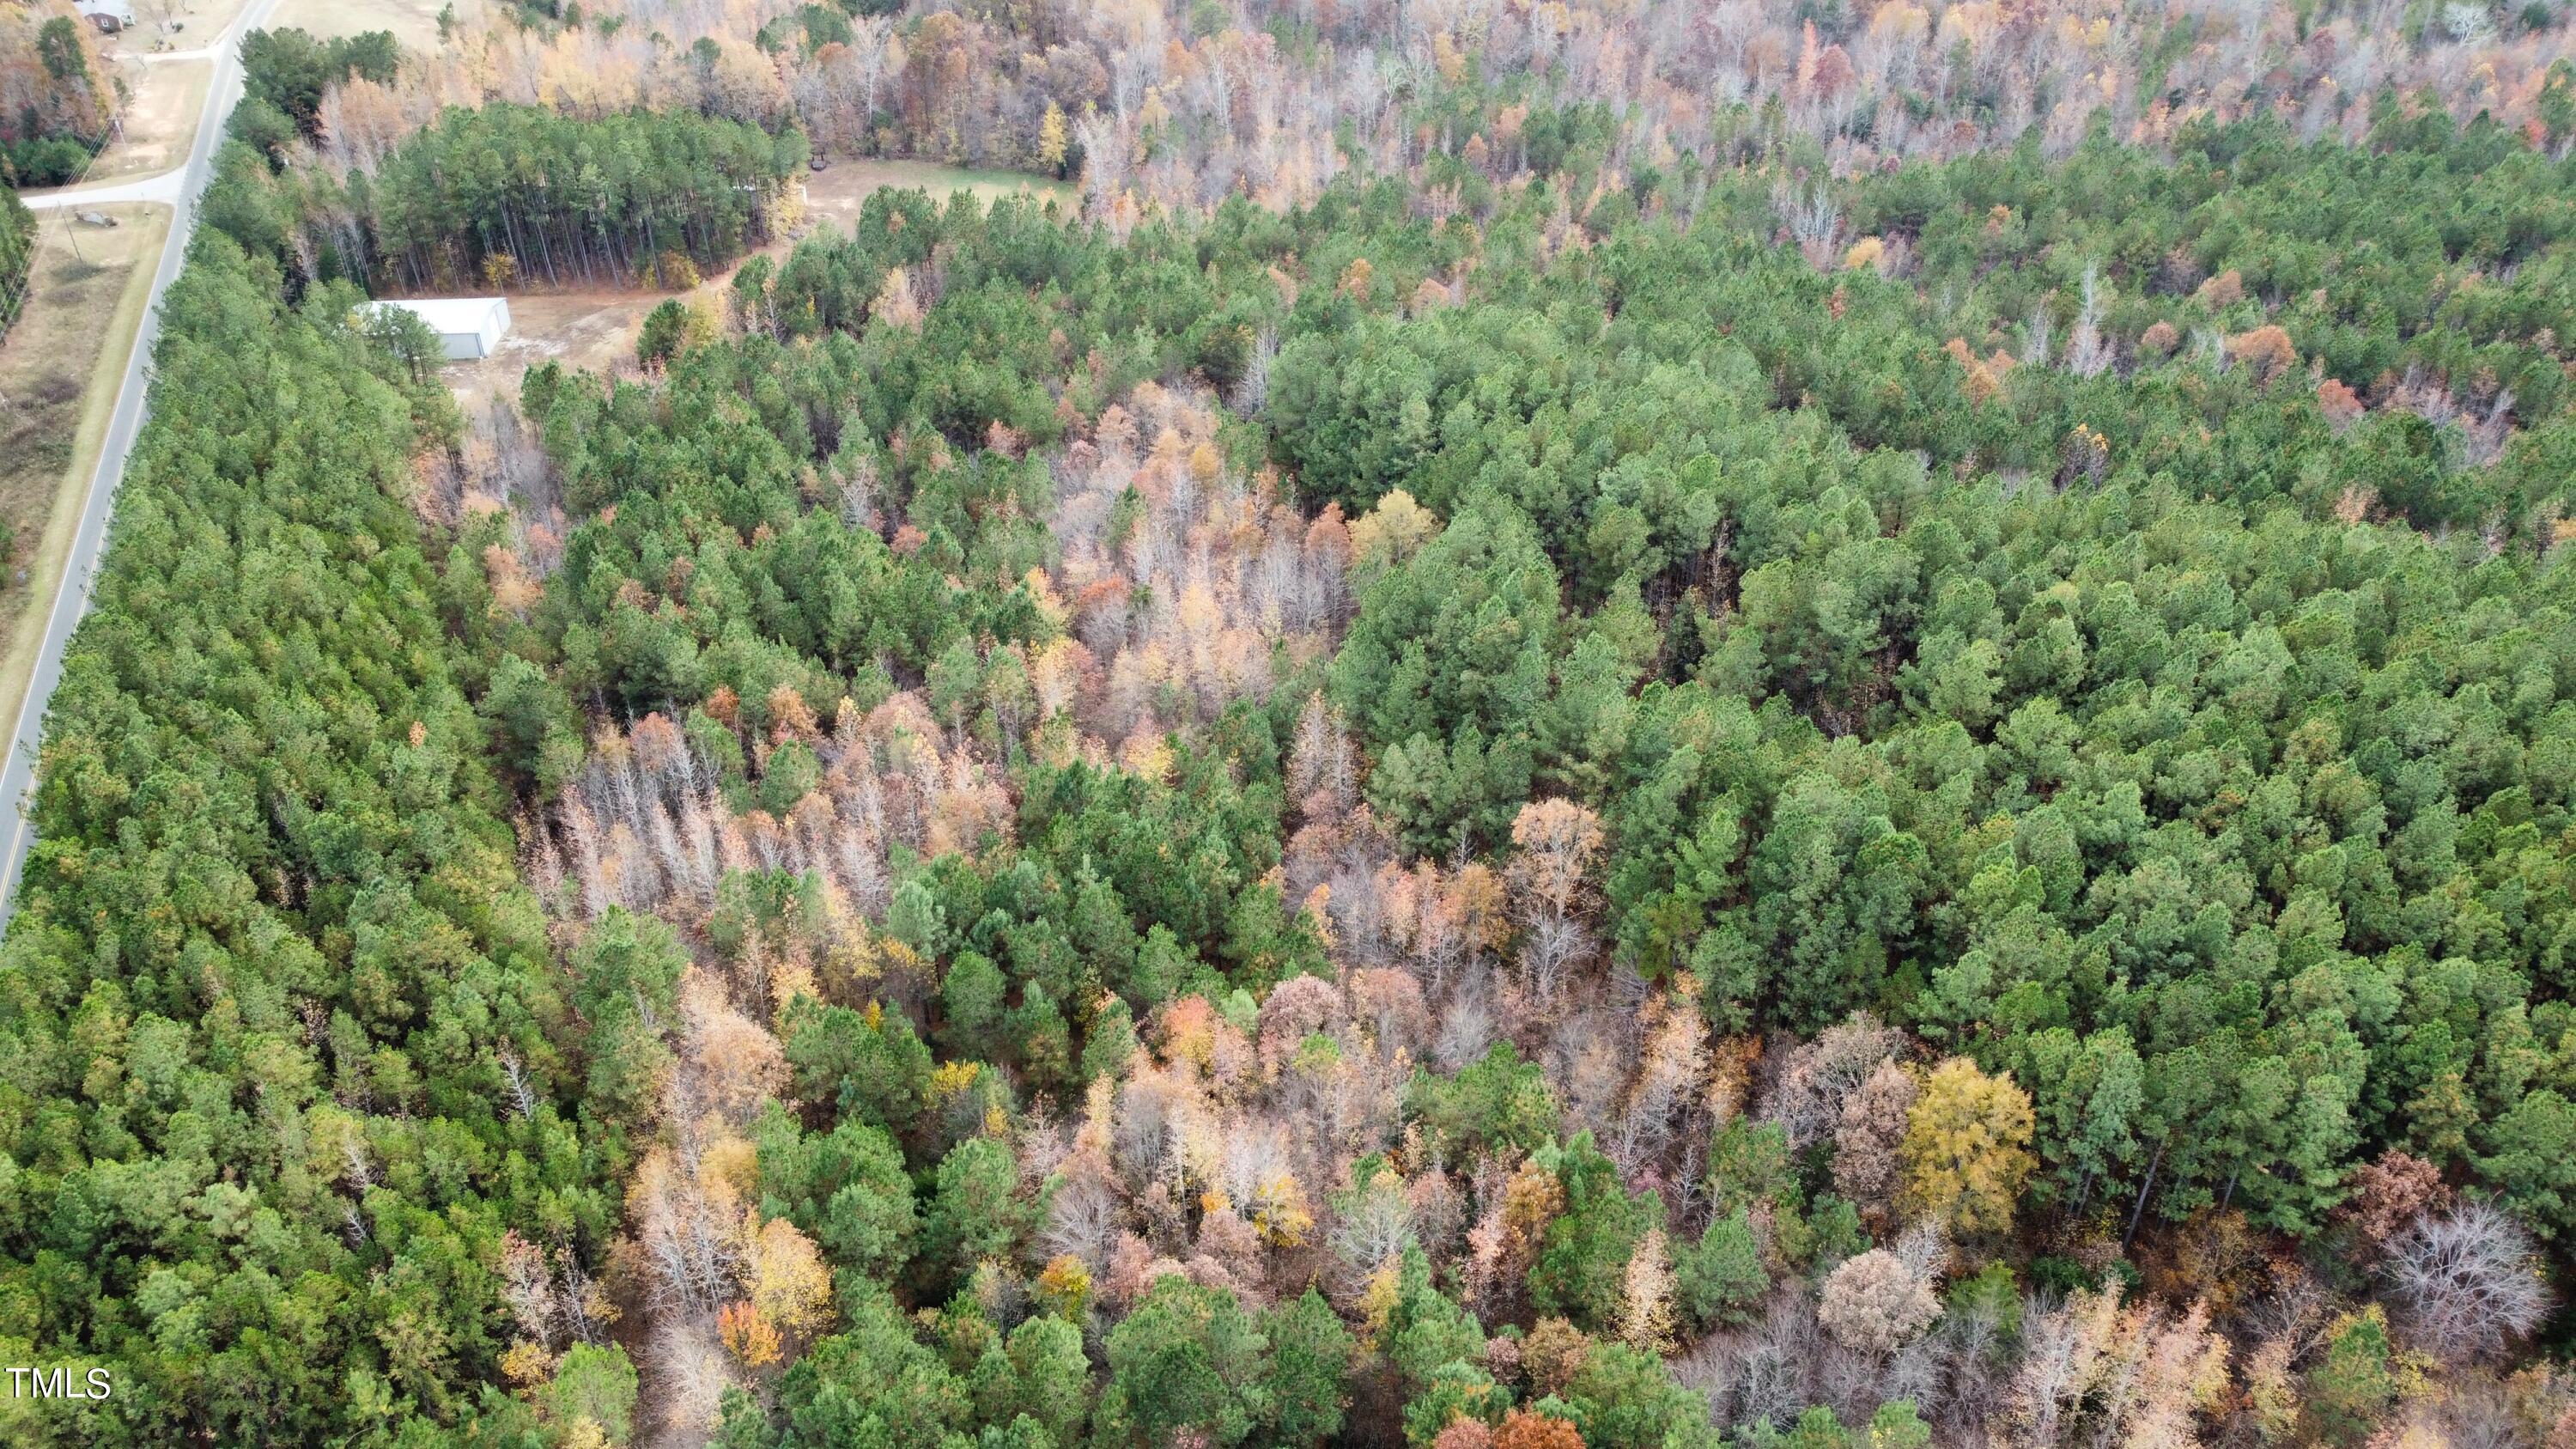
(60, 370)
(160, 122)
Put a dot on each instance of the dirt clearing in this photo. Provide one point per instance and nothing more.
(590, 331)
(594, 330)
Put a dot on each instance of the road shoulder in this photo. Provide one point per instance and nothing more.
(44, 352)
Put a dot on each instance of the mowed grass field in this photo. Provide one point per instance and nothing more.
(414, 23)
(840, 189)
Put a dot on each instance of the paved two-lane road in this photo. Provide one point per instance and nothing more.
(166, 188)
(179, 190)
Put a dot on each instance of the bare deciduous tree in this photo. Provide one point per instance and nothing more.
(1557, 841)
(1877, 1303)
(1820, 1076)
(2467, 1281)
(1870, 1132)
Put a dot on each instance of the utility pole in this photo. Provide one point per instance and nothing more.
(69, 235)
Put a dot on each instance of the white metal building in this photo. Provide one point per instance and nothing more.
(467, 327)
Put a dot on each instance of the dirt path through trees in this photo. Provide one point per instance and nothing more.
(593, 329)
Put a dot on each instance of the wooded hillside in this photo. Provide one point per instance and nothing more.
(1528, 796)
(57, 99)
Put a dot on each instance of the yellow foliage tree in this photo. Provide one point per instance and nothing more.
(1966, 1148)
(1054, 136)
(896, 305)
(1278, 1209)
(1065, 1286)
(527, 1364)
(749, 1337)
(1646, 1309)
(1392, 532)
(1378, 1299)
(791, 1285)
(672, 271)
(729, 1160)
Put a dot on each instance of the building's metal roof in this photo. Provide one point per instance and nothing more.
(451, 315)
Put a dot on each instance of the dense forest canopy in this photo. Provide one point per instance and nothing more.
(1809, 781)
(485, 196)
